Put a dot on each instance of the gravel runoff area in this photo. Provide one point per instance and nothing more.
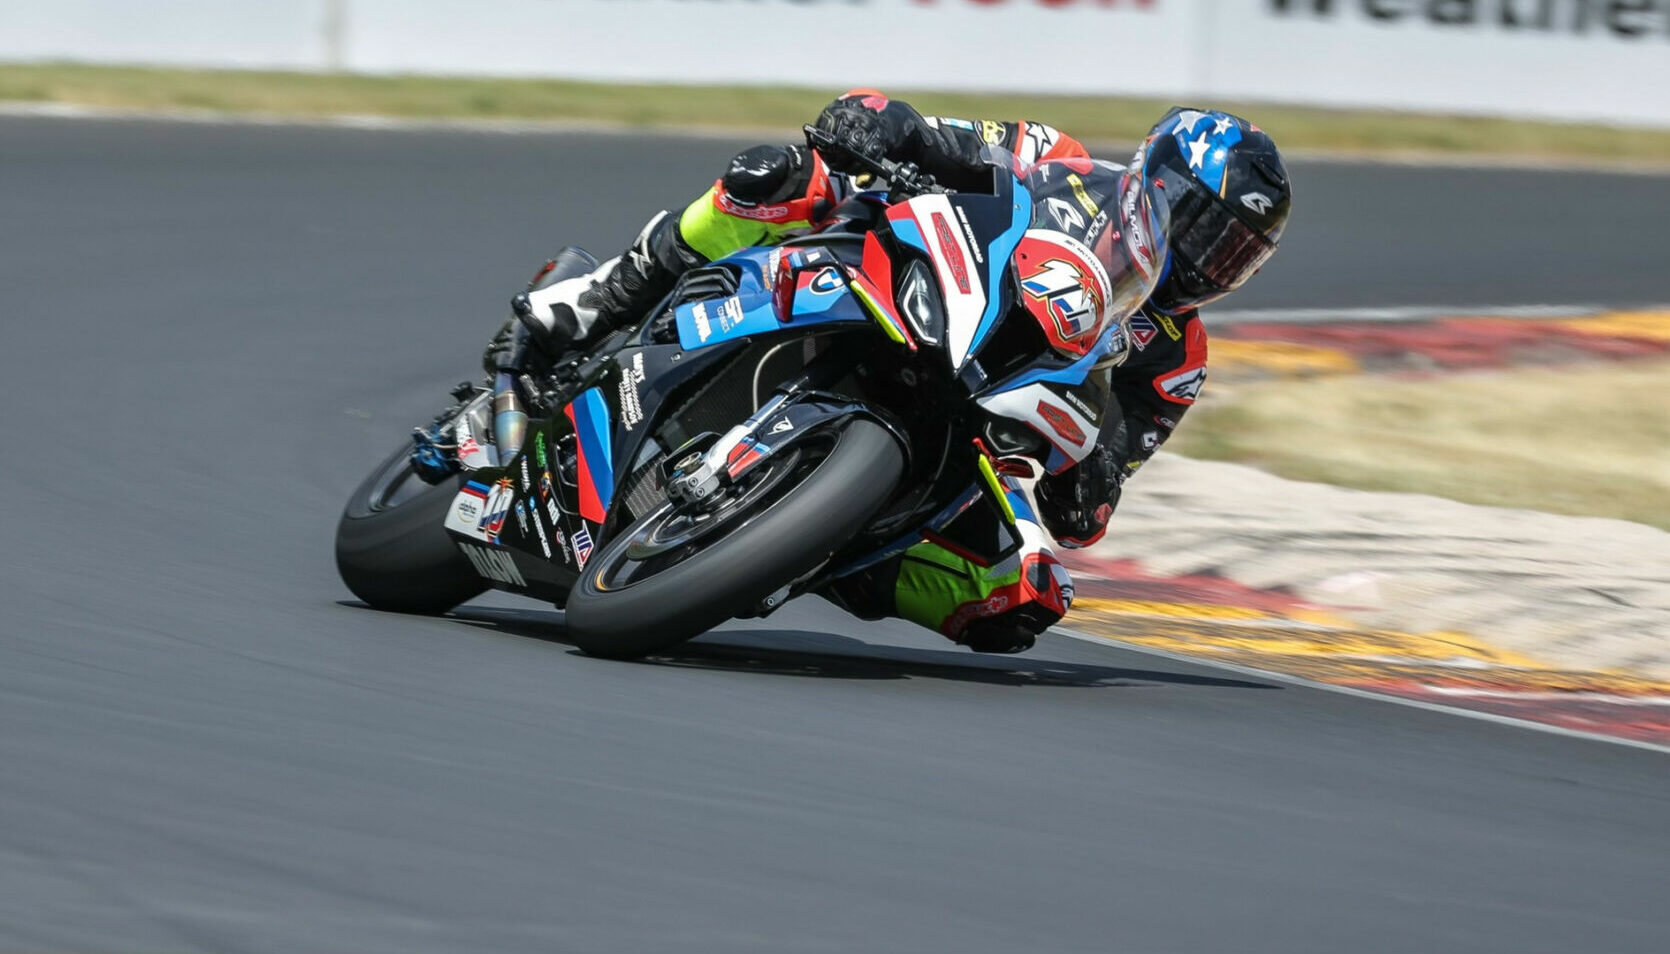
(1580, 592)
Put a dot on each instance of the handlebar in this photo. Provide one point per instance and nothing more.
(902, 177)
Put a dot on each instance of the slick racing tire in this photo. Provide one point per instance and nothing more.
(669, 577)
(391, 547)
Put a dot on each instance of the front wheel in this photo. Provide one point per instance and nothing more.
(673, 575)
(392, 549)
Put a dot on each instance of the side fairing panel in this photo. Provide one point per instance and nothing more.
(1071, 435)
(589, 416)
(819, 298)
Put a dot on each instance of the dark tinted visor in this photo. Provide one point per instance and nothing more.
(1206, 232)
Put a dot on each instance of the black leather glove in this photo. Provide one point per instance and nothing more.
(1076, 504)
(525, 345)
(869, 124)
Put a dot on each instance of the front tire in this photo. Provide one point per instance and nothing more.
(771, 543)
(392, 549)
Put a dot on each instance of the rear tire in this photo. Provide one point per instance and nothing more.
(391, 547)
(772, 547)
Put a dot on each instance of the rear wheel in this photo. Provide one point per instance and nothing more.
(673, 574)
(391, 547)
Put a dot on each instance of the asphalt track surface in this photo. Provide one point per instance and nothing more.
(211, 332)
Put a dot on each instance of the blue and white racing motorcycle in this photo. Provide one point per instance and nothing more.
(787, 416)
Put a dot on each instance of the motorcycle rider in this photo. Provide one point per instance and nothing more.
(1229, 196)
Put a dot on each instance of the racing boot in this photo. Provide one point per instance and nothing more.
(561, 313)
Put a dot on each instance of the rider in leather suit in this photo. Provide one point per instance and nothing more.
(1228, 194)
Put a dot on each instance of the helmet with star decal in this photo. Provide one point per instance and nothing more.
(1229, 197)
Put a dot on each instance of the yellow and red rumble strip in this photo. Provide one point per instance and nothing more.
(1297, 349)
(1219, 620)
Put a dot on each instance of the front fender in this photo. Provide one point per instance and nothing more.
(786, 420)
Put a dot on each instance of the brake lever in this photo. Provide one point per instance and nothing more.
(901, 177)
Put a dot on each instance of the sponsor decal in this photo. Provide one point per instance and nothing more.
(495, 511)
(953, 123)
(527, 483)
(1624, 20)
(782, 425)
(468, 511)
(1142, 330)
(1079, 404)
(698, 314)
(969, 612)
(539, 451)
(539, 528)
(493, 564)
(825, 282)
(1065, 214)
(729, 313)
(470, 452)
(1169, 328)
(1258, 202)
(743, 456)
(1136, 216)
(1082, 195)
(1150, 441)
(757, 213)
(1062, 422)
(556, 530)
(992, 132)
(521, 509)
(1184, 386)
(631, 412)
(952, 255)
(1165, 422)
(582, 547)
(968, 234)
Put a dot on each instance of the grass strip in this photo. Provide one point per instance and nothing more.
(1589, 440)
(1097, 118)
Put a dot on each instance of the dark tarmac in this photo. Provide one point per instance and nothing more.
(210, 334)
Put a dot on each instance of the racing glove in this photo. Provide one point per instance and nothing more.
(1076, 504)
(868, 123)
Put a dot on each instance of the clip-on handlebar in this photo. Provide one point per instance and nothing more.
(902, 177)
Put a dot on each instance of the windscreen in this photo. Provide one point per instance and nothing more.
(1093, 254)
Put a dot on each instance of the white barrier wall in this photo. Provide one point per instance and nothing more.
(1578, 59)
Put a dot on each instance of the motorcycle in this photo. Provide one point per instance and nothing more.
(787, 417)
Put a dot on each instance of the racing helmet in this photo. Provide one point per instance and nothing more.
(1229, 195)
(1094, 252)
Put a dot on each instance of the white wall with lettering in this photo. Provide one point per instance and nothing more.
(1606, 60)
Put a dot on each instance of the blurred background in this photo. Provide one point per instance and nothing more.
(248, 245)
